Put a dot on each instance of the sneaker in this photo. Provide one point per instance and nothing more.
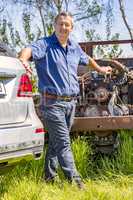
(80, 184)
(49, 180)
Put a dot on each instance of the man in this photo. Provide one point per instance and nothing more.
(57, 58)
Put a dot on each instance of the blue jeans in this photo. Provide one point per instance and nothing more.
(59, 118)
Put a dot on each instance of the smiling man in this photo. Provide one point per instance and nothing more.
(57, 58)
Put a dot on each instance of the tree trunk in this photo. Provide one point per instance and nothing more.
(125, 20)
(39, 7)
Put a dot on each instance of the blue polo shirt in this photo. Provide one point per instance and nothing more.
(57, 66)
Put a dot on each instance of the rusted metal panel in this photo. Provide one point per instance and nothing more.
(88, 46)
(102, 123)
(128, 62)
(92, 43)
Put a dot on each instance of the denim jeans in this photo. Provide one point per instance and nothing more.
(59, 117)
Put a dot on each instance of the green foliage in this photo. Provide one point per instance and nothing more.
(109, 18)
(29, 31)
(111, 177)
(3, 33)
(34, 84)
(112, 51)
(27, 189)
(125, 160)
(9, 35)
(104, 51)
(92, 35)
(119, 163)
(27, 27)
(82, 154)
(90, 11)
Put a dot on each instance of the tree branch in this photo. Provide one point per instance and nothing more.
(125, 20)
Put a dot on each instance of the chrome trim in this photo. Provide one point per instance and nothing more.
(20, 146)
(17, 156)
(19, 126)
(7, 75)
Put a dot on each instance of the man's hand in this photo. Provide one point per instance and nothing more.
(24, 56)
(106, 70)
(27, 67)
(95, 66)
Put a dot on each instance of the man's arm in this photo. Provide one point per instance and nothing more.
(93, 64)
(24, 56)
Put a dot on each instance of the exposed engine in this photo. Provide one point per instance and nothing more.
(110, 95)
(106, 95)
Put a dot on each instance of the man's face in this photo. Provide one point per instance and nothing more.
(63, 27)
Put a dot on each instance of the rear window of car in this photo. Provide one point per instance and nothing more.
(6, 51)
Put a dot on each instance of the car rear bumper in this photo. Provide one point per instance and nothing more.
(102, 123)
(11, 158)
(21, 137)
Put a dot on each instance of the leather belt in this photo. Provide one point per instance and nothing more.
(57, 97)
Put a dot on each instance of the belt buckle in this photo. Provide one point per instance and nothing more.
(66, 98)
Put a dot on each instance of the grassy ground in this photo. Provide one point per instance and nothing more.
(105, 178)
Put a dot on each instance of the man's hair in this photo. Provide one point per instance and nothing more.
(65, 14)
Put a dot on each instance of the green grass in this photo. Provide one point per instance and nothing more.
(105, 178)
(28, 189)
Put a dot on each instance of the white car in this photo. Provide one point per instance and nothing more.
(21, 131)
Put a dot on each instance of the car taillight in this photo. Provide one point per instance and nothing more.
(40, 130)
(25, 87)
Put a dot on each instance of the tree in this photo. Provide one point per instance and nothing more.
(3, 33)
(88, 10)
(109, 18)
(121, 4)
(60, 3)
(44, 10)
(104, 51)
